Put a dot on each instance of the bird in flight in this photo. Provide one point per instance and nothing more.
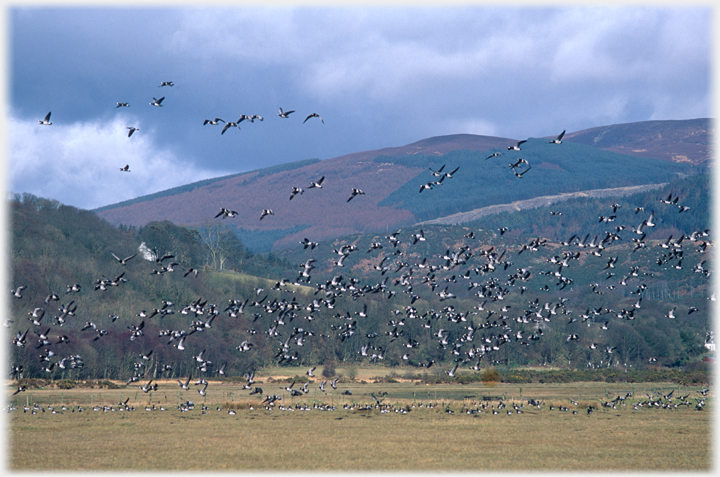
(226, 213)
(46, 120)
(354, 193)
(558, 139)
(313, 115)
(516, 147)
(285, 114)
(212, 121)
(157, 102)
(229, 125)
(166, 83)
(317, 184)
(122, 105)
(131, 130)
(266, 212)
(295, 191)
(126, 168)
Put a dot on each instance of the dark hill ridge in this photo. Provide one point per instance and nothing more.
(321, 214)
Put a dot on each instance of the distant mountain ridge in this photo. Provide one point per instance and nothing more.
(390, 177)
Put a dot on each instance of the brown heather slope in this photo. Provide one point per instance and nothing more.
(678, 141)
(326, 213)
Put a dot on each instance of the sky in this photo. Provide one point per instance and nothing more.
(378, 77)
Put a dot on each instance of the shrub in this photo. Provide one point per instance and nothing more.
(490, 376)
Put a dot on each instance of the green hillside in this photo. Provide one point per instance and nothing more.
(554, 169)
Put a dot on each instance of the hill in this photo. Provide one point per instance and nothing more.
(391, 178)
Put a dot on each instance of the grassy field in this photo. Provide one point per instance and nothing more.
(413, 430)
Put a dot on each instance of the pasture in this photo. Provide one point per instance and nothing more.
(415, 427)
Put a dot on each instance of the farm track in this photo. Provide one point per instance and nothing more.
(536, 202)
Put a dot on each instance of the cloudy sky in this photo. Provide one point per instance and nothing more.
(379, 77)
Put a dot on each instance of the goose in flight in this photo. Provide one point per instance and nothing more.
(558, 139)
(516, 147)
(226, 213)
(295, 191)
(122, 105)
(122, 261)
(313, 115)
(17, 292)
(354, 193)
(126, 168)
(228, 125)
(166, 83)
(266, 212)
(157, 102)
(494, 154)
(213, 121)
(285, 114)
(317, 184)
(131, 130)
(46, 120)
(520, 174)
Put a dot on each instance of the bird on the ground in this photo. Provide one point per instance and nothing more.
(312, 115)
(46, 120)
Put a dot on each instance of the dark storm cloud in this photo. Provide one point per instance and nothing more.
(378, 76)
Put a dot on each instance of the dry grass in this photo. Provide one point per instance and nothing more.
(356, 440)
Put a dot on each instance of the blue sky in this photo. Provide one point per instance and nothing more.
(378, 76)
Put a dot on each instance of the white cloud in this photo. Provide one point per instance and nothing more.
(79, 164)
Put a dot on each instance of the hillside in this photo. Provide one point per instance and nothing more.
(465, 295)
(390, 179)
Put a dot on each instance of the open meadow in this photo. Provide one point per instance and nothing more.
(361, 425)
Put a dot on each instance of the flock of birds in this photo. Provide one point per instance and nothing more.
(158, 102)
(470, 336)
